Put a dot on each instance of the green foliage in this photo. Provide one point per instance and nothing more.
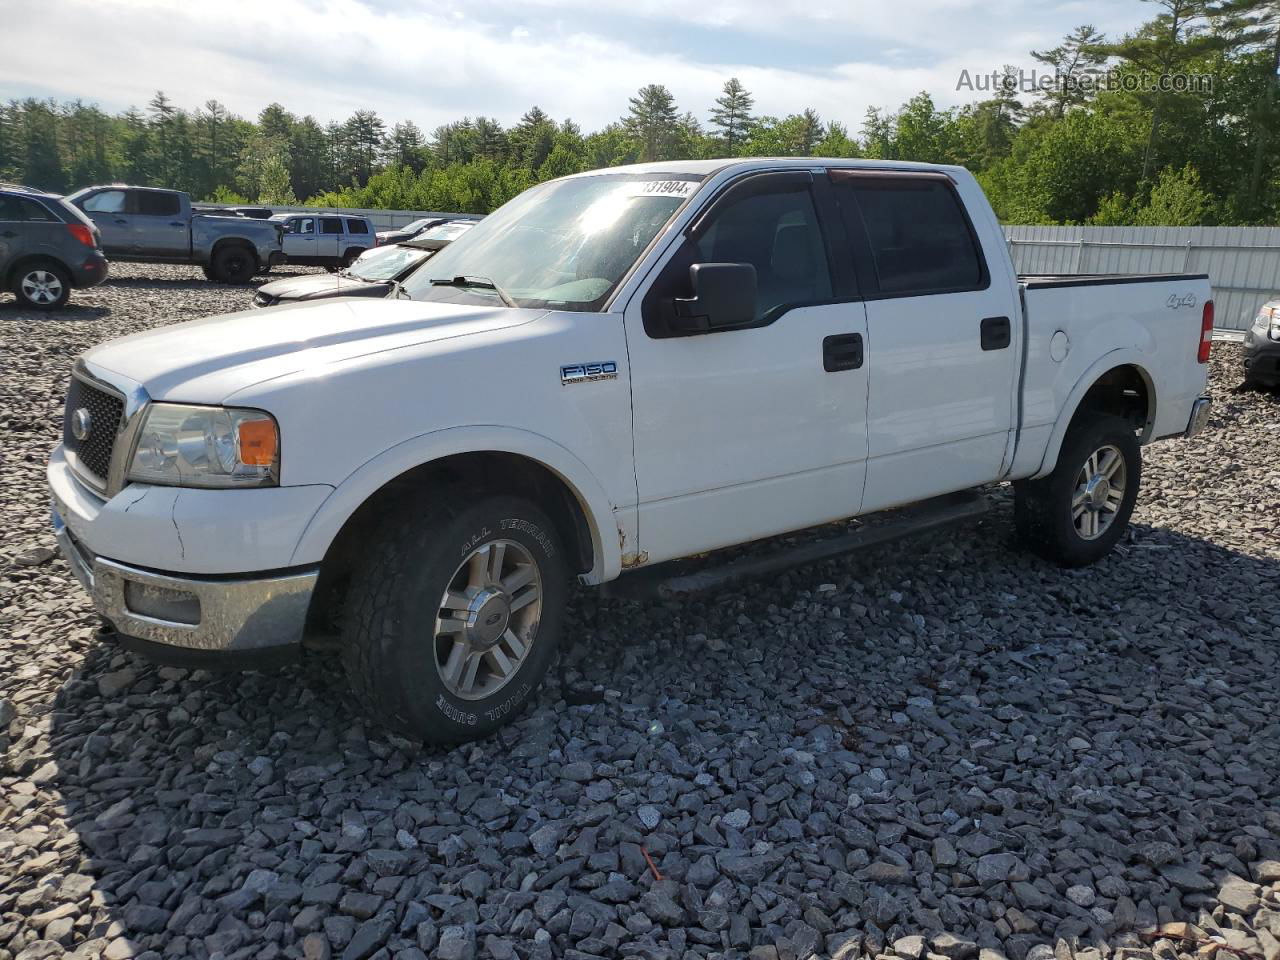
(1068, 155)
(225, 195)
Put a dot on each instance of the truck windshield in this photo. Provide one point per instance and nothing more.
(563, 245)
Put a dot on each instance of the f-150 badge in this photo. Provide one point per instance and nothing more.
(586, 372)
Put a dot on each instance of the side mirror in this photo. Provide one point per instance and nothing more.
(724, 295)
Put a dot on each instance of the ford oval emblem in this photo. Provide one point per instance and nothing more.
(81, 421)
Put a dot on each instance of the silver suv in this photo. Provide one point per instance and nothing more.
(324, 239)
(47, 247)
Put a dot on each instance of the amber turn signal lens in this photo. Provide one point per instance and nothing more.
(257, 443)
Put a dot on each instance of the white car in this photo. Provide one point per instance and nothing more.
(324, 240)
(615, 369)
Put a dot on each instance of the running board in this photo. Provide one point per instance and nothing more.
(673, 579)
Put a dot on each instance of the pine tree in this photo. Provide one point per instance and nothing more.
(653, 120)
(1161, 47)
(1255, 25)
(732, 114)
(1078, 56)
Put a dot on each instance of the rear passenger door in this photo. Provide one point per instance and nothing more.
(329, 238)
(941, 342)
(158, 225)
(109, 209)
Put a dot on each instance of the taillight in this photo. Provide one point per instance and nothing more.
(1206, 332)
(81, 233)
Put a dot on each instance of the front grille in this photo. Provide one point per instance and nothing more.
(106, 410)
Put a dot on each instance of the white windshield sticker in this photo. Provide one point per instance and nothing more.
(680, 189)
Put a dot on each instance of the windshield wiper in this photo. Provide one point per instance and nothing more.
(483, 283)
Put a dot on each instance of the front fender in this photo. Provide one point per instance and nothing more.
(1121, 357)
(365, 481)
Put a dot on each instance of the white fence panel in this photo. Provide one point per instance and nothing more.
(1243, 263)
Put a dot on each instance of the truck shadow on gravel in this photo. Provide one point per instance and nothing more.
(72, 311)
(949, 740)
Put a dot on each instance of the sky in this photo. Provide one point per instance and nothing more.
(433, 61)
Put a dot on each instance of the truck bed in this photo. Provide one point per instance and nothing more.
(1079, 325)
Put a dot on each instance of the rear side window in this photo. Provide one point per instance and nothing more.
(25, 210)
(34, 212)
(357, 226)
(330, 225)
(152, 204)
(108, 201)
(920, 239)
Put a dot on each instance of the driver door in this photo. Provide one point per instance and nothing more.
(747, 432)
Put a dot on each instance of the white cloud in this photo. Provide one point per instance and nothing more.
(435, 61)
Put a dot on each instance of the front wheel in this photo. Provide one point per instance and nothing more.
(1077, 514)
(454, 617)
(44, 285)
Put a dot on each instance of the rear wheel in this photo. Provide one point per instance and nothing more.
(234, 264)
(351, 256)
(1077, 514)
(42, 285)
(454, 617)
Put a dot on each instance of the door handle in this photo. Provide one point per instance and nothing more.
(118, 220)
(176, 223)
(842, 352)
(8, 233)
(996, 333)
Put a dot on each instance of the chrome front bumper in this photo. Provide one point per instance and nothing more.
(1200, 411)
(196, 613)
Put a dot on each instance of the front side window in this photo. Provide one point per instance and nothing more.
(777, 232)
(330, 225)
(108, 201)
(152, 204)
(565, 244)
(301, 225)
(920, 238)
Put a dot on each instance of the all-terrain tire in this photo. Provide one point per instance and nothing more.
(1045, 509)
(395, 656)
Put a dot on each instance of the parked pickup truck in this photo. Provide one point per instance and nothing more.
(157, 226)
(615, 369)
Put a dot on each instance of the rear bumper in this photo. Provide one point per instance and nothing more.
(1200, 411)
(90, 271)
(252, 614)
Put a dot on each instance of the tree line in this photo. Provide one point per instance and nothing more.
(1107, 143)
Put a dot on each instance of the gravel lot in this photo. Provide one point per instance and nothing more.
(949, 749)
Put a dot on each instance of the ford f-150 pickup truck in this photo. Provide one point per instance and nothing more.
(615, 369)
(150, 225)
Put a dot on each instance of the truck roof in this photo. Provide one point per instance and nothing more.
(705, 168)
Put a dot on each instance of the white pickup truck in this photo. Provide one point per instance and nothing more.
(615, 369)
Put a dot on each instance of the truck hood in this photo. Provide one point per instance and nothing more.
(206, 361)
(320, 285)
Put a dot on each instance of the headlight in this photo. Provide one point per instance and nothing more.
(190, 446)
